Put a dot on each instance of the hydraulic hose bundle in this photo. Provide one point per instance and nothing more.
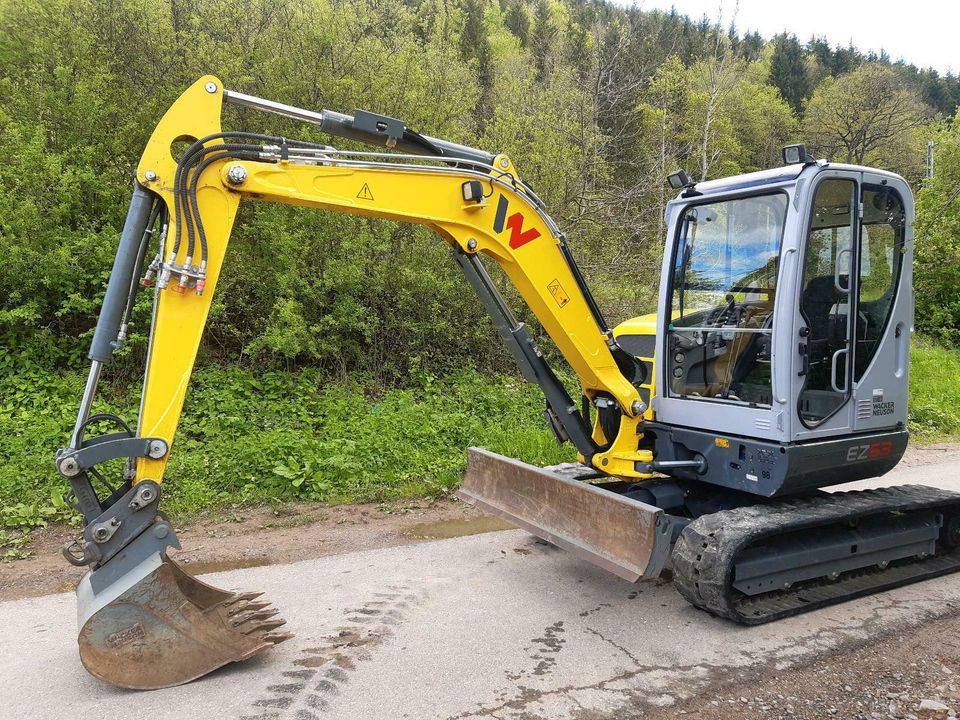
(197, 159)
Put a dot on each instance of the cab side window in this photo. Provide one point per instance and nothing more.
(825, 300)
(882, 235)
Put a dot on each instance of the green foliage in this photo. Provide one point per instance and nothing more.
(596, 104)
(84, 83)
(343, 443)
(36, 416)
(868, 116)
(13, 546)
(788, 72)
(283, 436)
(721, 113)
(934, 392)
(276, 436)
(937, 245)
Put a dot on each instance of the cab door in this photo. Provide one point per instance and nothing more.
(824, 321)
(884, 319)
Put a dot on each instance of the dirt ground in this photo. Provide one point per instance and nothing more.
(877, 681)
(918, 455)
(885, 679)
(248, 537)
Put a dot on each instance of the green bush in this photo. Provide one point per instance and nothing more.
(279, 436)
(934, 391)
(937, 245)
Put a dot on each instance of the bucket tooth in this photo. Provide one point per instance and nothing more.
(156, 626)
(266, 614)
(263, 627)
(248, 607)
(242, 596)
(276, 638)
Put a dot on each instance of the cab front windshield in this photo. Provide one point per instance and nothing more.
(724, 287)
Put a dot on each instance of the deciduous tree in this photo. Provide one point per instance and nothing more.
(862, 115)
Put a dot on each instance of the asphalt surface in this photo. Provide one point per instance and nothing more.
(497, 625)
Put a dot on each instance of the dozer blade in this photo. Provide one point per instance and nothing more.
(624, 536)
(155, 626)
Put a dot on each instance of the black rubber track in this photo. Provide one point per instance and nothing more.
(706, 552)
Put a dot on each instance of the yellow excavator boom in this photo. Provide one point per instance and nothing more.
(505, 224)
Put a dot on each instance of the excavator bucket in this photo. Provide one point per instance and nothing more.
(156, 626)
(622, 535)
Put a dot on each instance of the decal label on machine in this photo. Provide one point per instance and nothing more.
(123, 637)
(365, 193)
(873, 451)
(559, 294)
(518, 236)
(722, 443)
(879, 406)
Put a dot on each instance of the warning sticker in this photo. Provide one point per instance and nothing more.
(559, 294)
(365, 193)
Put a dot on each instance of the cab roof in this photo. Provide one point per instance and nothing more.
(784, 173)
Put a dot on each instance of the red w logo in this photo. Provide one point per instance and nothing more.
(518, 236)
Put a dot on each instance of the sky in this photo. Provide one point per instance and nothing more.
(922, 32)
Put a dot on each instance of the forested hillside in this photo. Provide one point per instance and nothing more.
(594, 102)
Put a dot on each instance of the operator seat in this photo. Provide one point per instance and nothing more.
(818, 301)
(819, 298)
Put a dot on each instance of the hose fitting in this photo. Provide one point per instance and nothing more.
(164, 279)
(181, 287)
(202, 278)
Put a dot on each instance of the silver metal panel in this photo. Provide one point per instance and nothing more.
(841, 422)
(720, 417)
(886, 379)
(768, 423)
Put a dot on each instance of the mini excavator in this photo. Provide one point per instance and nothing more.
(775, 365)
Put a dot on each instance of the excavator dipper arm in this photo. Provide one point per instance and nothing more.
(144, 621)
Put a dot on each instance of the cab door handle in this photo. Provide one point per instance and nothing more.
(836, 272)
(833, 371)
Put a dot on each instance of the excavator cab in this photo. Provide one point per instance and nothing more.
(775, 364)
(786, 311)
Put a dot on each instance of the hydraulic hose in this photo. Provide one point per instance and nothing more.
(155, 212)
(237, 152)
(191, 161)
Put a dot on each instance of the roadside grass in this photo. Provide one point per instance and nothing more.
(278, 437)
(282, 436)
(934, 414)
